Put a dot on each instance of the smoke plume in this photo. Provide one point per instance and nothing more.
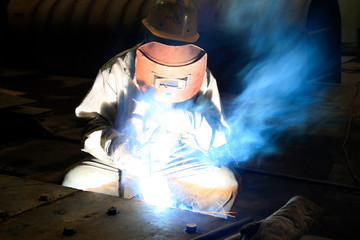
(277, 93)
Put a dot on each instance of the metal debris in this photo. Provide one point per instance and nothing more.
(89, 215)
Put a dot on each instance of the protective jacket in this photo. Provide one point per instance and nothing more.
(130, 132)
(115, 105)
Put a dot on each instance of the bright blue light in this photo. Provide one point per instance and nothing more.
(276, 95)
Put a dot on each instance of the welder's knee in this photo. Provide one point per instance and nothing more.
(221, 195)
(92, 178)
(213, 190)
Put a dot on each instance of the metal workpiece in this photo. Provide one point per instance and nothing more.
(85, 213)
(19, 195)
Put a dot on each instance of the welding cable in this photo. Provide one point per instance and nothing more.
(346, 140)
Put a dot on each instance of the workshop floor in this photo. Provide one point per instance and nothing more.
(40, 141)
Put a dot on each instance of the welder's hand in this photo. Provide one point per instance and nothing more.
(176, 121)
(289, 222)
(124, 160)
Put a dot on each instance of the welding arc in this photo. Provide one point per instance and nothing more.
(353, 175)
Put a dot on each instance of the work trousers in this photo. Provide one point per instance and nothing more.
(211, 190)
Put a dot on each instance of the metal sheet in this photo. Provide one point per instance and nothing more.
(61, 126)
(19, 195)
(86, 213)
(11, 92)
(31, 111)
(7, 100)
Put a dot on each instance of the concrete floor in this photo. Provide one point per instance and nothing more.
(40, 140)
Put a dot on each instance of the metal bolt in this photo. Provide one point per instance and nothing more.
(191, 228)
(113, 211)
(45, 197)
(68, 231)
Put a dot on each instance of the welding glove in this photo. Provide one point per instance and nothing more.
(156, 132)
(149, 143)
(289, 222)
(123, 160)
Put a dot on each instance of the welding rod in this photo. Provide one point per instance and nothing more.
(224, 231)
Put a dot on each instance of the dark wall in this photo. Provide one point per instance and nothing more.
(61, 50)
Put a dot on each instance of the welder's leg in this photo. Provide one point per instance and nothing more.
(212, 190)
(93, 176)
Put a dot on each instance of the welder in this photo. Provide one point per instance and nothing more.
(154, 112)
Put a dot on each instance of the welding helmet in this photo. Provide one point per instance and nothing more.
(170, 73)
(173, 19)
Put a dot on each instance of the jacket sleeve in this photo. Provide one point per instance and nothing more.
(100, 108)
(211, 128)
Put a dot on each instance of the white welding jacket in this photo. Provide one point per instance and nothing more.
(123, 123)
